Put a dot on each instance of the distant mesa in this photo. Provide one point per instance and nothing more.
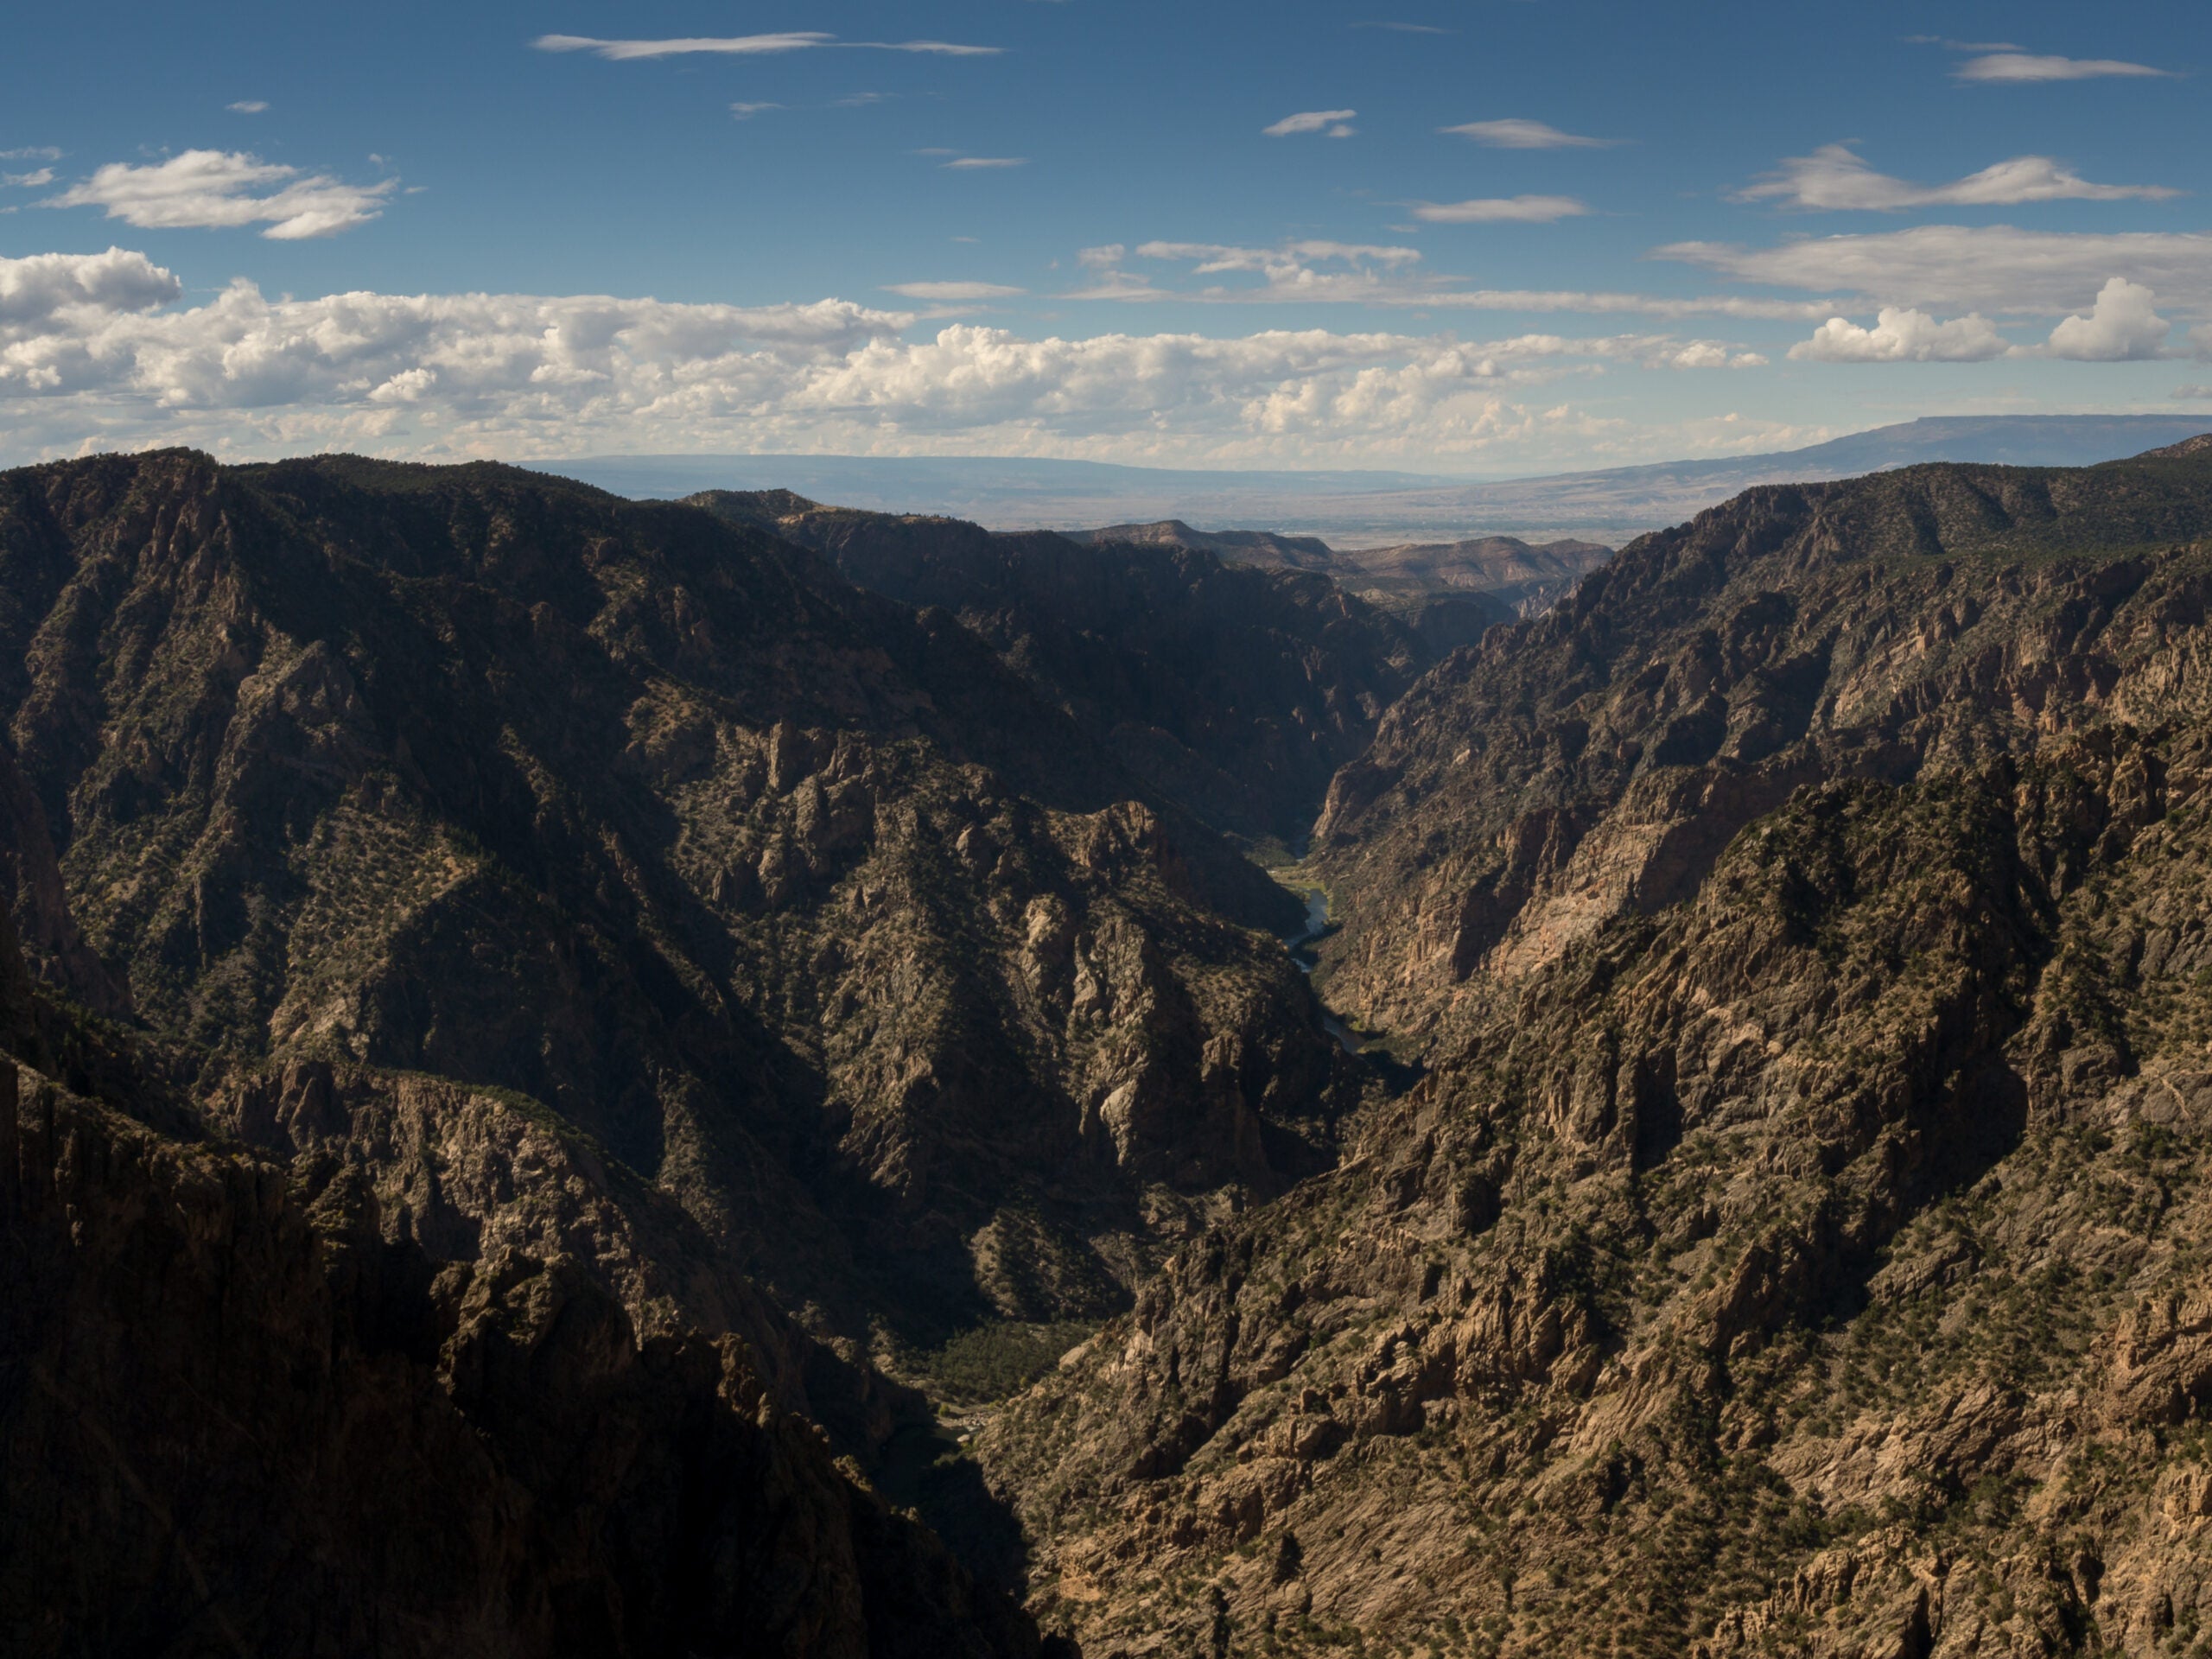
(1374, 509)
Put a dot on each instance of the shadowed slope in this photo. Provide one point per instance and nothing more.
(800, 904)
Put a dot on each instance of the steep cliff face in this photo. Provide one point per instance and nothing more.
(234, 1417)
(1234, 691)
(655, 847)
(1598, 758)
(1798, 1241)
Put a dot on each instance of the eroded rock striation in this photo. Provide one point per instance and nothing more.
(1798, 1241)
(649, 845)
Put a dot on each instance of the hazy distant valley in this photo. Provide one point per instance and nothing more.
(1360, 510)
(755, 1073)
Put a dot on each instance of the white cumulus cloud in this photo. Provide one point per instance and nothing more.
(1514, 134)
(2025, 65)
(1833, 178)
(1334, 123)
(96, 350)
(2122, 327)
(1904, 336)
(215, 188)
(87, 287)
(1501, 210)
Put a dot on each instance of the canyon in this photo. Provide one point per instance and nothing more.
(726, 1076)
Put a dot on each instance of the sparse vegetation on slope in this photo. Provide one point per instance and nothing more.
(798, 905)
(1799, 1243)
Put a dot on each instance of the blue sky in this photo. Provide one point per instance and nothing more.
(1505, 235)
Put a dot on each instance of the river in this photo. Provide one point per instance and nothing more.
(1317, 924)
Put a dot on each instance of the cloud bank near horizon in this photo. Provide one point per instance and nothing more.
(100, 350)
(95, 351)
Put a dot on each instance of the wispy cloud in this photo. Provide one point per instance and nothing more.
(1290, 271)
(2023, 66)
(746, 111)
(977, 163)
(1333, 123)
(1950, 44)
(936, 49)
(1601, 304)
(1833, 179)
(1512, 133)
(734, 45)
(1351, 273)
(748, 46)
(1407, 29)
(30, 181)
(1995, 268)
(1215, 256)
(248, 107)
(2188, 393)
(221, 189)
(953, 293)
(35, 153)
(1501, 210)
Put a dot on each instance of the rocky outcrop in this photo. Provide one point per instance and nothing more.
(654, 847)
(1599, 757)
(1234, 691)
(1795, 1243)
(234, 1417)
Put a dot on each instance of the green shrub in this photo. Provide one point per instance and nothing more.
(993, 1362)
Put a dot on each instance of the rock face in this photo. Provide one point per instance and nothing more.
(235, 1418)
(1446, 595)
(1497, 577)
(1798, 1241)
(249, 1407)
(1234, 691)
(1600, 758)
(653, 847)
